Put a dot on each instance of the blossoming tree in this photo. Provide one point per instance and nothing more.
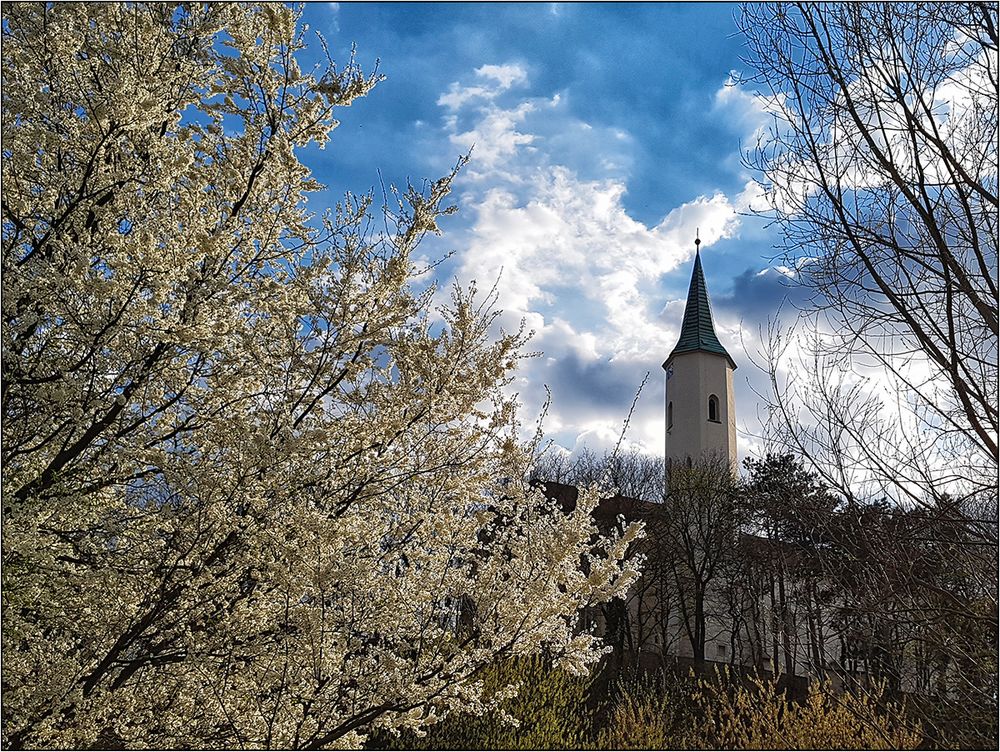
(255, 494)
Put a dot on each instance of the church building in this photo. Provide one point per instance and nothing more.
(695, 606)
(713, 592)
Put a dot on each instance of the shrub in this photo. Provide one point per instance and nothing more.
(760, 716)
(549, 708)
(649, 713)
(665, 711)
(727, 712)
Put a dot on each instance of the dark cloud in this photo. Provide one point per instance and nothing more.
(592, 389)
(757, 296)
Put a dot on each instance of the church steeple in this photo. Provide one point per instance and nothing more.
(698, 329)
(700, 406)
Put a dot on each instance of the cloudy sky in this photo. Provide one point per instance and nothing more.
(603, 135)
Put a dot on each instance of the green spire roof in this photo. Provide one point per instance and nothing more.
(698, 331)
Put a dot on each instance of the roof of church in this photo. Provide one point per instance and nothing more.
(698, 330)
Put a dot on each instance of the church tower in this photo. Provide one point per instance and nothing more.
(700, 411)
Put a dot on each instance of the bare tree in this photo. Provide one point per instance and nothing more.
(881, 170)
(913, 609)
(880, 167)
(630, 474)
(697, 529)
(880, 596)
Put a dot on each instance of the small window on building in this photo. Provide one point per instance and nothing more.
(713, 409)
(722, 650)
(670, 415)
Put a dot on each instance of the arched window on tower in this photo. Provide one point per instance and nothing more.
(670, 415)
(713, 409)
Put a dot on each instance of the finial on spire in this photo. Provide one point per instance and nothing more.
(697, 239)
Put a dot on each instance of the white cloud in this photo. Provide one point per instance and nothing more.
(499, 78)
(550, 227)
(495, 136)
(748, 109)
(505, 75)
(603, 437)
(459, 95)
(333, 19)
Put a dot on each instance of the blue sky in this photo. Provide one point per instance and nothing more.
(603, 135)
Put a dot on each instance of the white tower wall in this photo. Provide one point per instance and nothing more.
(693, 377)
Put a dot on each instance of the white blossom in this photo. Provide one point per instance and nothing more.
(242, 475)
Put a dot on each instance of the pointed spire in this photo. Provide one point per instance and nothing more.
(698, 329)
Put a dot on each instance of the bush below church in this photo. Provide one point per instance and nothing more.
(556, 710)
(754, 713)
(549, 707)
